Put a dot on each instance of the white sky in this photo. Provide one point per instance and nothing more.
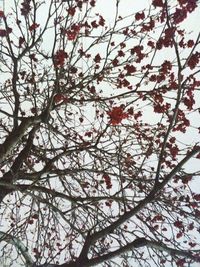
(106, 7)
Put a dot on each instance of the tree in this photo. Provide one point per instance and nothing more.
(99, 148)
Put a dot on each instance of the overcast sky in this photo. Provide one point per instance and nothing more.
(106, 7)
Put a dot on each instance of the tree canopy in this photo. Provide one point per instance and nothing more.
(99, 127)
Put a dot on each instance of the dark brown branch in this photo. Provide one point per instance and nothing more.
(10, 176)
(14, 137)
(149, 198)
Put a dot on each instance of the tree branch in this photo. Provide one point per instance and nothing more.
(149, 198)
(18, 245)
(14, 137)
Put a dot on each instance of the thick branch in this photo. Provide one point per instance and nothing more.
(18, 245)
(15, 136)
(141, 242)
(170, 251)
(149, 198)
(137, 243)
(10, 176)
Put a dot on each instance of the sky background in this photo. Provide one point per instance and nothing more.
(106, 7)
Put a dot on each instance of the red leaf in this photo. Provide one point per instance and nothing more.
(101, 21)
(137, 115)
(26, 8)
(180, 234)
(33, 27)
(130, 111)
(34, 110)
(192, 244)
(157, 217)
(59, 58)
(75, 28)
(189, 102)
(32, 57)
(157, 3)
(151, 44)
(172, 139)
(92, 3)
(59, 97)
(179, 15)
(73, 32)
(115, 62)
(197, 197)
(121, 53)
(166, 67)
(3, 33)
(71, 35)
(191, 5)
(178, 224)
(107, 181)
(180, 262)
(97, 58)
(158, 98)
(190, 43)
(148, 26)
(30, 221)
(1, 14)
(21, 41)
(188, 5)
(36, 251)
(194, 60)
(139, 16)
(138, 51)
(174, 151)
(35, 216)
(108, 203)
(94, 24)
(71, 11)
(89, 134)
(191, 226)
(158, 108)
(117, 114)
(130, 69)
